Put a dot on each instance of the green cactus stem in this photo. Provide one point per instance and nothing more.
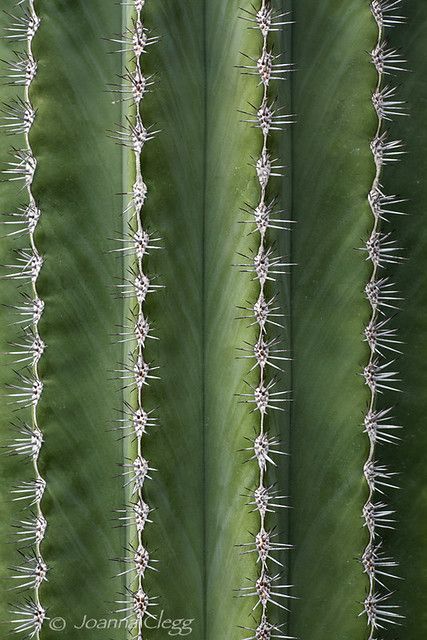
(208, 379)
(74, 186)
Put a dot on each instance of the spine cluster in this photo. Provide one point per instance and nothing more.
(381, 293)
(136, 373)
(18, 117)
(266, 352)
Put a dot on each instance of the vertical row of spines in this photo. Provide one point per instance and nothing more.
(136, 373)
(382, 340)
(267, 353)
(18, 118)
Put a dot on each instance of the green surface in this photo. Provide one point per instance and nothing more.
(332, 174)
(202, 157)
(230, 182)
(76, 185)
(198, 177)
(173, 169)
(408, 543)
(77, 177)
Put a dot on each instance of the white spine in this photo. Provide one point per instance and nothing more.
(18, 119)
(137, 374)
(266, 352)
(381, 250)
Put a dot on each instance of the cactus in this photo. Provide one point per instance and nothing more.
(202, 317)
(78, 317)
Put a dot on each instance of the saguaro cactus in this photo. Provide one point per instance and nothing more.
(214, 460)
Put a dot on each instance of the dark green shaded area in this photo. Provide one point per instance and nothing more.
(332, 174)
(173, 169)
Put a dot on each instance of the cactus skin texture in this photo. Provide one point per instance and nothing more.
(204, 177)
(172, 166)
(407, 544)
(74, 185)
(336, 163)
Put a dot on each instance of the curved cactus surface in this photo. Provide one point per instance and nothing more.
(408, 543)
(75, 179)
(332, 174)
(172, 118)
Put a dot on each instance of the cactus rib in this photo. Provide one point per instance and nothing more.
(268, 588)
(381, 339)
(19, 117)
(137, 373)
